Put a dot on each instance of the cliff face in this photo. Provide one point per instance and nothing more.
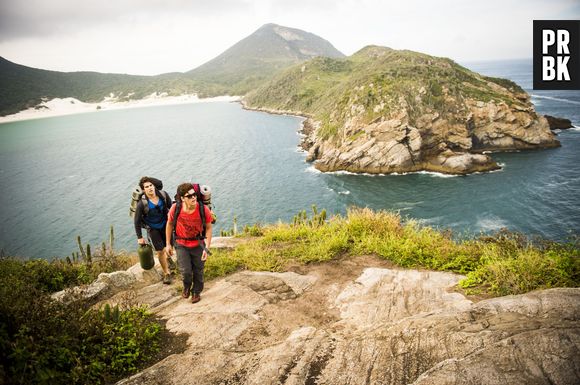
(384, 111)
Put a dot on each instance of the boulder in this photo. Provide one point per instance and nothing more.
(558, 123)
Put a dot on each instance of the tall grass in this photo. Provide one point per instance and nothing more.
(507, 263)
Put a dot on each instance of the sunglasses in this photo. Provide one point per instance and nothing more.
(190, 196)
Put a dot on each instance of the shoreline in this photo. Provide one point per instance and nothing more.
(71, 106)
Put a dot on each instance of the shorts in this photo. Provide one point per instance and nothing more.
(157, 238)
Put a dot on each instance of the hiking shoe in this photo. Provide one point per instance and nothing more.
(166, 279)
(195, 298)
(185, 293)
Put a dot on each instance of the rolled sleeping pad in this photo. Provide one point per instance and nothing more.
(205, 191)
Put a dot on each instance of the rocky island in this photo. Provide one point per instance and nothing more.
(388, 111)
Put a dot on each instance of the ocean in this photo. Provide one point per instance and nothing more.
(72, 176)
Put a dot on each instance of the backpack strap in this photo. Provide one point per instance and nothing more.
(175, 215)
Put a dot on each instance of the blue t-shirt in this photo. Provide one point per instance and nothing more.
(155, 218)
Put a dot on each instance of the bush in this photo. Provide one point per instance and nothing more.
(43, 341)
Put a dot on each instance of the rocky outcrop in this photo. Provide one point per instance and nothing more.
(434, 142)
(348, 323)
(558, 123)
(384, 111)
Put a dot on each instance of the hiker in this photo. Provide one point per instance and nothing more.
(154, 219)
(192, 236)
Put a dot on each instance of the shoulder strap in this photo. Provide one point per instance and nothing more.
(174, 223)
(202, 216)
(145, 204)
(166, 200)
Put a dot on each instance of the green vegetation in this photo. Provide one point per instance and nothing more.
(503, 264)
(378, 82)
(44, 341)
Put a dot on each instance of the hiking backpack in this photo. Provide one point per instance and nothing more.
(139, 195)
(203, 195)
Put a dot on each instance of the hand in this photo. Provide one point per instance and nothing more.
(142, 241)
(204, 256)
(169, 250)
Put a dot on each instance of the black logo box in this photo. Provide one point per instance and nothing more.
(573, 28)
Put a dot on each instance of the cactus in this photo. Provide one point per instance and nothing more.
(103, 249)
(116, 313)
(81, 247)
(107, 312)
(89, 259)
(111, 239)
(235, 230)
(68, 260)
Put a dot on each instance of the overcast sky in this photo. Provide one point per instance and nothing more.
(149, 37)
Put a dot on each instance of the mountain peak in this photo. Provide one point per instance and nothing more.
(269, 49)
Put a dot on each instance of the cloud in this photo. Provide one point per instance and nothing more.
(34, 18)
(156, 36)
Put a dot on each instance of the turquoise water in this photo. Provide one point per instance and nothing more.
(73, 175)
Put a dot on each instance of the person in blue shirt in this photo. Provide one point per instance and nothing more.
(151, 213)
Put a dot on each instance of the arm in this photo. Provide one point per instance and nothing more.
(169, 231)
(137, 222)
(208, 235)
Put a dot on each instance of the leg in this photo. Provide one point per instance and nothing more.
(158, 240)
(184, 261)
(198, 266)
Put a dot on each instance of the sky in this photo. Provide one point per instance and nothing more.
(149, 37)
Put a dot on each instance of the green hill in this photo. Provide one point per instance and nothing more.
(23, 87)
(382, 111)
(239, 69)
(257, 57)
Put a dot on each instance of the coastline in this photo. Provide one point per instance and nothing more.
(71, 106)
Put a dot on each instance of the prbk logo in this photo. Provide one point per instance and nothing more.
(557, 54)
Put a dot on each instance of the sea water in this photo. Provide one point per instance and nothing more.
(73, 175)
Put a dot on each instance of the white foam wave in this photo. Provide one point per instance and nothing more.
(344, 192)
(491, 223)
(313, 170)
(555, 99)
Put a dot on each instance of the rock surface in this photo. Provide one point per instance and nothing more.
(360, 322)
(558, 123)
(439, 143)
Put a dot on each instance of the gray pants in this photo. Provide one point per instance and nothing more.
(191, 267)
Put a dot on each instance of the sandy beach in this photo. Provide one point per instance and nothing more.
(69, 106)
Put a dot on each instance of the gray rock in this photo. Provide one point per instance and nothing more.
(389, 327)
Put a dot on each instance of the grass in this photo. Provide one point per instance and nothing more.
(44, 341)
(506, 263)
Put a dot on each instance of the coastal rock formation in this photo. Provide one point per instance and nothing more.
(384, 111)
(448, 143)
(351, 323)
(558, 123)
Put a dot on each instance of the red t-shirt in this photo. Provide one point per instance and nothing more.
(188, 225)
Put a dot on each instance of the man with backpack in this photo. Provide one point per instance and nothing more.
(151, 213)
(192, 235)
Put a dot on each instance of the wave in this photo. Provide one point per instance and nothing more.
(491, 223)
(556, 99)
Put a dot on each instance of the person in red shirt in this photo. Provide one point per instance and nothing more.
(191, 248)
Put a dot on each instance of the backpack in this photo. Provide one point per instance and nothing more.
(139, 195)
(203, 195)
